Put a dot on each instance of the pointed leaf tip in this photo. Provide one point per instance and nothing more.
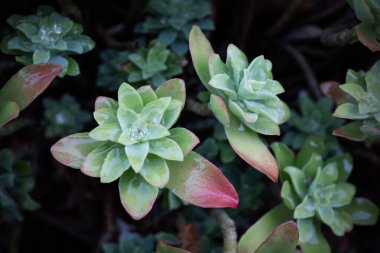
(200, 50)
(284, 239)
(199, 182)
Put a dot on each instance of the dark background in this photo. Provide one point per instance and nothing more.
(78, 212)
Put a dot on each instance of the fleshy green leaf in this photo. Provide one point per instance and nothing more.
(128, 97)
(219, 108)
(155, 171)
(92, 165)
(147, 94)
(261, 230)
(73, 149)
(298, 180)
(284, 239)
(363, 211)
(8, 111)
(115, 163)
(305, 228)
(166, 148)
(137, 154)
(200, 50)
(137, 196)
(251, 149)
(174, 88)
(317, 242)
(184, 138)
(284, 155)
(305, 210)
(351, 131)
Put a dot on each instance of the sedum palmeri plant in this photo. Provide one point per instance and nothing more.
(172, 21)
(153, 65)
(217, 145)
(317, 191)
(47, 37)
(368, 31)
(134, 243)
(135, 143)
(16, 182)
(64, 116)
(313, 118)
(359, 101)
(112, 71)
(243, 98)
(23, 87)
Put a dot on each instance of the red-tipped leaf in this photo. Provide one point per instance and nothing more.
(28, 83)
(201, 183)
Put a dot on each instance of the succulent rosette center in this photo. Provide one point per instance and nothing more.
(318, 191)
(137, 128)
(248, 90)
(361, 104)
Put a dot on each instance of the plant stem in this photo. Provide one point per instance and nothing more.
(305, 66)
(198, 108)
(331, 37)
(228, 230)
(285, 17)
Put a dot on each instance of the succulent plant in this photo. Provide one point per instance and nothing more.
(317, 192)
(112, 71)
(153, 64)
(368, 31)
(360, 103)
(172, 21)
(314, 118)
(217, 145)
(134, 243)
(243, 98)
(23, 87)
(64, 116)
(47, 37)
(15, 184)
(265, 236)
(135, 142)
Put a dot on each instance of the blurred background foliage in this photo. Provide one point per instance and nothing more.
(78, 214)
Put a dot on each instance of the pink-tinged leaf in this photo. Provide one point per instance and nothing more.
(368, 37)
(28, 83)
(136, 195)
(162, 247)
(199, 182)
(259, 232)
(331, 89)
(201, 50)
(184, 138)
(8, 111)
(284, 239)
(351, 131)
(250, 148)
(219, 108)
(73, 149)
(174, 88)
